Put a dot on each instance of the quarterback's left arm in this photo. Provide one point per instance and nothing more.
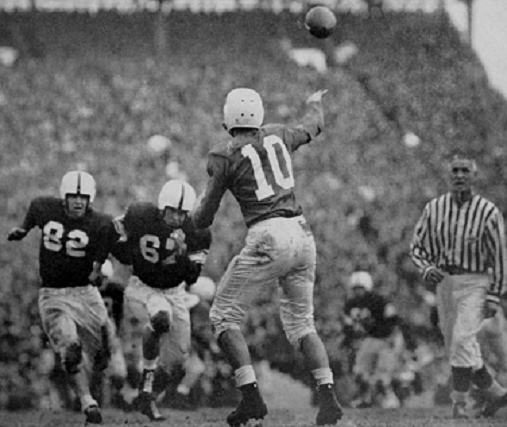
(209, 201)
(312, 123)
(496, 242)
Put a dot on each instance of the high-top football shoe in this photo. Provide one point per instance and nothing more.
(252, 406)
(93, 415)
(147, 406)
(330, 410)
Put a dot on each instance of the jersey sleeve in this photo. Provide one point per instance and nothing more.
(311, 125)
(108, 237)
(209, 201)
(34, 215)
(420, 247)
(120, 245)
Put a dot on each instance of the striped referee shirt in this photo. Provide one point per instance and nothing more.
(470, 237)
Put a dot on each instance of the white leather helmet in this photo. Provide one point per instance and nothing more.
(177, 194)
(361, 279)
(78, 182)
(243, 109)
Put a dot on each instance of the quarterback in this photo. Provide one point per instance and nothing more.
(166, 253)
(72, 250)
(255, 165)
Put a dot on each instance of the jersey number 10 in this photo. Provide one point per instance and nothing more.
(264, 188)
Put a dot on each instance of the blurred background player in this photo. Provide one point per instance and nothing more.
(109, 385)
(71, 253)
(167, 254)
(492, 338)
(255, 165)
(371, 325)
(459, 236)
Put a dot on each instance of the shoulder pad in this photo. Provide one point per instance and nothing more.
(47, 204)
(221, 149)
(139, 213)
(272, 128)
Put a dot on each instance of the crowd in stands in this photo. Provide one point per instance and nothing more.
(96, 92)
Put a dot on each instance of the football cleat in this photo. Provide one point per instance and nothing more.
(493, 406)
(252, 406)
(330, 410)
(147, 406)
(459, 411)
(93, 415)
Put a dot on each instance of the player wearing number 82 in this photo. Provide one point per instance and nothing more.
(72, 249)
(255, 166)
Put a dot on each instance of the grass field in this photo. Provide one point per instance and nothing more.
(289, 406)
(280, 417)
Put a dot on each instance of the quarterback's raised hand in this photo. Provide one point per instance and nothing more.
(317, 96)
(16, 234)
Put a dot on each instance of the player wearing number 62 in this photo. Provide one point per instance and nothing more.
(72, 248)
(166, 253)
(255, 165)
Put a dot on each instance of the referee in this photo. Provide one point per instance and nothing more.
(458, 239)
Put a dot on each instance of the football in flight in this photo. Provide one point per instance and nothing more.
(320, 22)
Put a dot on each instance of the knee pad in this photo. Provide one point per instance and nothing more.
(73, 358)
(160, 322)
(296, 334)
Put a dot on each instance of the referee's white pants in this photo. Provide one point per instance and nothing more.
(278, 251)
(461, 300)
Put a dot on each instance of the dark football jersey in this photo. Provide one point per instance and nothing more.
(372, 312)
(68, 246)
(257, 170)
(151, 250)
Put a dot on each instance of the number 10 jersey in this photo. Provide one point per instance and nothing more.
(257, 169)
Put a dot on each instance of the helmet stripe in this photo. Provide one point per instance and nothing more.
(180, 204)
(79, 183)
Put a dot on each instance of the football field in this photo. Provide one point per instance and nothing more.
(279, 417)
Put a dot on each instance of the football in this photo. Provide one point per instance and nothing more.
(320, 22)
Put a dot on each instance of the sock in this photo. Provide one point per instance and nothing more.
(148, 377)
(150, 364)
(459, 396)
(86, 401)
(244, 375)
(323, 376)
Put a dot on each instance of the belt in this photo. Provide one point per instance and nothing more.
(456, 271)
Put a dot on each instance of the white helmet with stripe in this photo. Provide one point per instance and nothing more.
(177, 194)
(243, 109)
(78, 183)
